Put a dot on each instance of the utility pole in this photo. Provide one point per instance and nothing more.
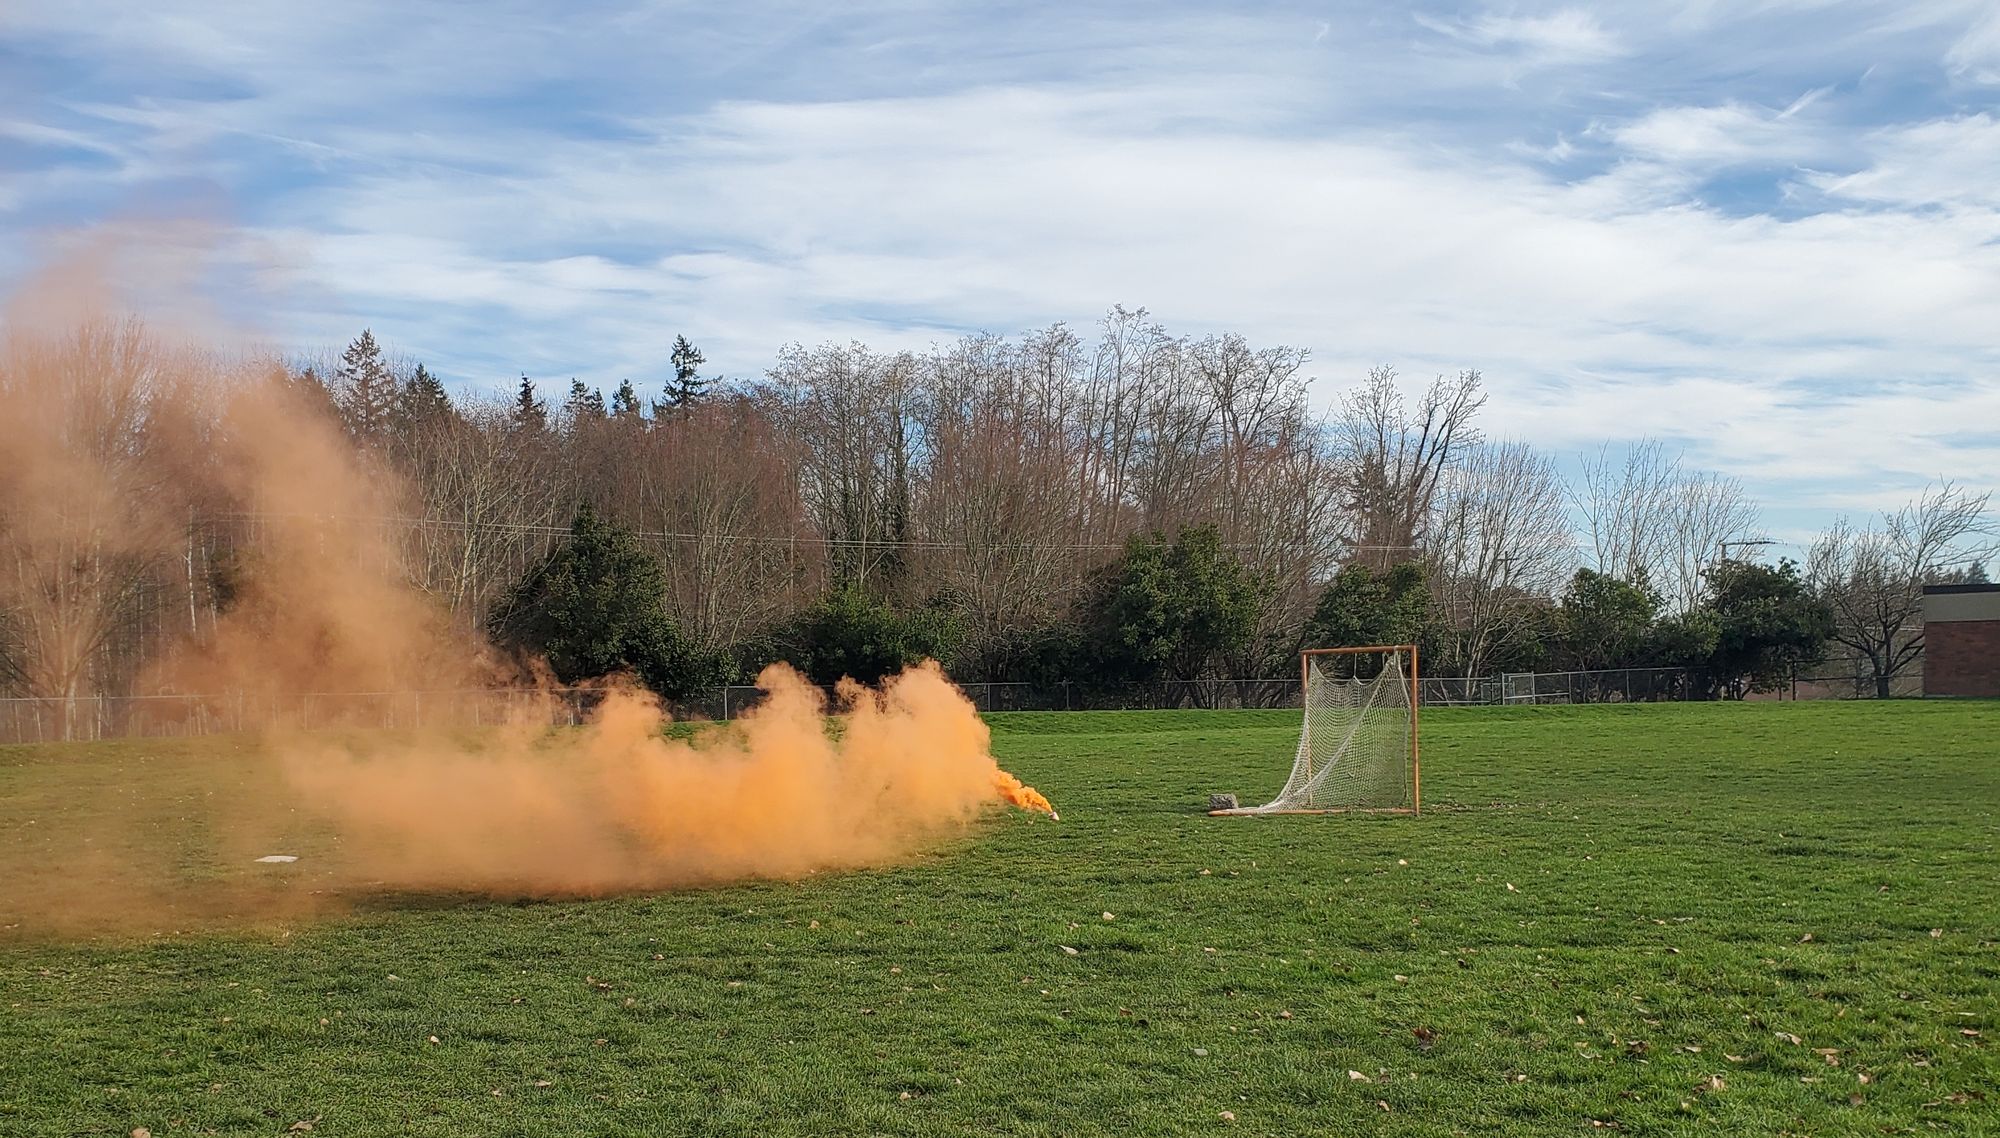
(1722, 547)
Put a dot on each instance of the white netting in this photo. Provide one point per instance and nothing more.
(1354, 749)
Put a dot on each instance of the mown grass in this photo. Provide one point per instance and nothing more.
(1682, 919)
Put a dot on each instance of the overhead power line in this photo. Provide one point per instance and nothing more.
(538, 530)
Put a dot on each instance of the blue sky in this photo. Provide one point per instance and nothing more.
(1768, 232)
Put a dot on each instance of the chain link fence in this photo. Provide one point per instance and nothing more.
(1852, 685)
(31, 720)
(86, 718)
(50, 720)
(1612, 685)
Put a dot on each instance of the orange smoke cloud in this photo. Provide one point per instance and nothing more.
(112, 442)
(617, 805)
(1014, 791)
(324, 602)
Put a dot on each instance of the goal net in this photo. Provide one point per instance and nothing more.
(1358, 744)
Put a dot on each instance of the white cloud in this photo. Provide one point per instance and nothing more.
(1975, 55)
(1563, 36)
(1731, 134)
(43, 135)
(1951, 162)
(1352, 197)
(1596, 310)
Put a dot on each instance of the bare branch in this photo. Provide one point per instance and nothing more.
(1874, 578)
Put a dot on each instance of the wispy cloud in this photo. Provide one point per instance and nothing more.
(1975, 55)
(1952, 162)
(1565, 35)
(1731, 134)
(1635, 220)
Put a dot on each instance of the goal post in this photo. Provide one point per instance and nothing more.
(1358, 748)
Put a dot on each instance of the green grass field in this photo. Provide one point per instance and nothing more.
(1680, 919)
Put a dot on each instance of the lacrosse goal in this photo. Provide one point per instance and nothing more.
(1357, 748)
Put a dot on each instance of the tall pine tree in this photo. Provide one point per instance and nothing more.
(625, 401)
(584, 405)
(687, 386)
(425, 403)
(530, 414)
(365, 390)
(310, 387)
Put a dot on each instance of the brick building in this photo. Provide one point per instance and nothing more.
(1962, 640)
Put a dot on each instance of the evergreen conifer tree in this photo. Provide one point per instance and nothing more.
(687, 386)
(585, 404)
(530, 414)
(625, 401)
(425, 402)
(365, 390)
(596, 605)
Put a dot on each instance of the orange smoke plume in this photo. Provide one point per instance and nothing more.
(114, 441)
(1013, 790)
(618, 805)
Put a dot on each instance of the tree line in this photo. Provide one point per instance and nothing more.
(1128, 507)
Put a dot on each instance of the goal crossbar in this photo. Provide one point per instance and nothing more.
(1341, 748)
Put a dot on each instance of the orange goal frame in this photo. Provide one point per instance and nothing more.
(1416, 751)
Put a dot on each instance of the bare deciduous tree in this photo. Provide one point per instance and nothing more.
(101, 441)
(999, 496)
(848, 413)
(1396, 459)
(1500, 547)
(1874, 577)
(1291, 536)
(1256, 396)
(992, 475)
(487, 506)
(1135, 360)
(719, 490)
(1710, 513)
(1650, 518)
